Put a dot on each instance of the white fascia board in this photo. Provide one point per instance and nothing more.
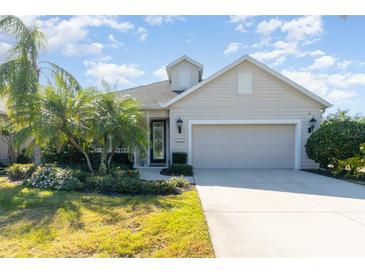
(186, 58)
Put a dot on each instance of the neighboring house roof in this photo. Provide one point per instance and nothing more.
(151, 95)
(258, 64)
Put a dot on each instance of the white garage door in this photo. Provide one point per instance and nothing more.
(243, 146)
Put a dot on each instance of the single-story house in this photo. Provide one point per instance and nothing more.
(245, 115)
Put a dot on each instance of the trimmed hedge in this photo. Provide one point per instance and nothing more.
(135, 186)
(178, 170)
(20, 171)
(179, 158)
(335, 140)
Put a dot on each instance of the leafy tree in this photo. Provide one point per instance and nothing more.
(338, 138)
(63, 116)
(120, 124)
(20, 74)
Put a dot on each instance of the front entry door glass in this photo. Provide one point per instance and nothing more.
(158, 150)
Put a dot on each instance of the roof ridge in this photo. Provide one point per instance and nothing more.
(144, 85)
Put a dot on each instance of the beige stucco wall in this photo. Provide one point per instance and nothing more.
(219, 100)
(175, 71)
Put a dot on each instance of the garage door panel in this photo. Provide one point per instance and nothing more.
(243, 146)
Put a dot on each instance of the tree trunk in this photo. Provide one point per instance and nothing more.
(37, 155)
(78, 147)
(110, 157)
(88, 162)
(103, 156)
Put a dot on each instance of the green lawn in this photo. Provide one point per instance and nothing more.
(38, 223)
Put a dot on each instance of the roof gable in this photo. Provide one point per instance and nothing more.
(187, 59)
(261, 66)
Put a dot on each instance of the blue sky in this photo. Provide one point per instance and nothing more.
(324, 54)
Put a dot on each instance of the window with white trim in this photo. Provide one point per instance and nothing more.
(244, 83)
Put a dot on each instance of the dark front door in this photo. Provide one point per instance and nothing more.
(158, 142)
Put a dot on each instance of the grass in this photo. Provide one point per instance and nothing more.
(39, 223)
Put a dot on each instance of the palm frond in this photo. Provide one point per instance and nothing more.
(61, 76)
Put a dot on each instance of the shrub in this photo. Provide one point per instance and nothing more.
(179, 182)
(102, 183)
(123, 170)
(133, 186)
(335, 140)
(69, 155)
(179, 158)
(53, 177)
(23, 158)
(130, 185)
(178, 170)
(351, 167)
(161, 188)
(20, 171)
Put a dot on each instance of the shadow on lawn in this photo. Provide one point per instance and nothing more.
(37, 208)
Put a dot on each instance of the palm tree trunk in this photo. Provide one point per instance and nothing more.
(103, 157)
(37, 155)
(110, 157)
(78, 147)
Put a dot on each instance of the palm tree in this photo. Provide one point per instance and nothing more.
(63, 116)
(20, 74)
(120, 124)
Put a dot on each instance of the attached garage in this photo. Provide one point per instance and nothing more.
(243, 145)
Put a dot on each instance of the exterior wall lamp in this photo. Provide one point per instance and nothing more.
(179, 124)
(312, 124)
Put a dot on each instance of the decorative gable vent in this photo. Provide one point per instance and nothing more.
(244, 83)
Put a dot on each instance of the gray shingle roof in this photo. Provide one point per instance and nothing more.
(151, 95)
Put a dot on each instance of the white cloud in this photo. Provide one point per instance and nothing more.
(4, 48)
(240, 28)
(333, 87)
(142, 33)
(113, 74)
(323, 62)
(267, 27)
(63, 34)
(312, 82)
(279, 61)
(303, 28)
(298, 32)
(344, 64)
(340, 95)
(317, 52)
(232, 48)
(157, 20)
(114, 43)
(239, 18)
(244, 21)
(161, 73)
(281, 49)
(82, 49)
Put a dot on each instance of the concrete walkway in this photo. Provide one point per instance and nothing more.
(282, 213)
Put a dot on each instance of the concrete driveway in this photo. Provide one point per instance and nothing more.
(282, 213)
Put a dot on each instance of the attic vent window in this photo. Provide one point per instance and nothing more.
(184, 79)
(244, 83)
